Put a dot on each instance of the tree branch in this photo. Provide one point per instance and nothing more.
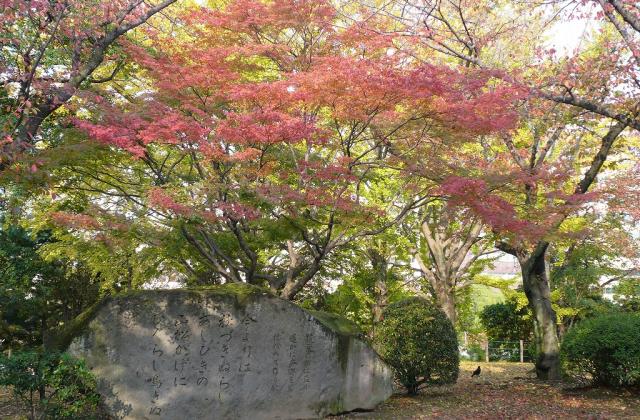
(600, 157)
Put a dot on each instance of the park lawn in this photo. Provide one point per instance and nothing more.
(508, 390)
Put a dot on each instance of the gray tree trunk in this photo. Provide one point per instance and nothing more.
(535, 279)
(446, 299)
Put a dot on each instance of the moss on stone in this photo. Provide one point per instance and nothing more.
(59, 338)
(344, 346)
(242, 292)
(336, 323)
(345, 329)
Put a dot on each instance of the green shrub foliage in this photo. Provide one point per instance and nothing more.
(419, 342)
(507, 321)
(604, 350)
(52, 385)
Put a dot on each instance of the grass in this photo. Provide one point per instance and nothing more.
(508, 391)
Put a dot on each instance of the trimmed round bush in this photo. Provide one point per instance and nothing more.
(419, 342)
(604, 350)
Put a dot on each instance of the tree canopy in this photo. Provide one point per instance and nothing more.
(341, 154)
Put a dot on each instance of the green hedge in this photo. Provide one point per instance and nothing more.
(51, 385)
(604, 350)
(419, 342)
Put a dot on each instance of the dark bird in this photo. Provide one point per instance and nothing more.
(476, 372)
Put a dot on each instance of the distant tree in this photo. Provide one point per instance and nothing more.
(601, 250)
(448, 249)
(627, 294)
(373, 283)
(507, 321)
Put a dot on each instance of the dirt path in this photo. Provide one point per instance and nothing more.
(508, 391)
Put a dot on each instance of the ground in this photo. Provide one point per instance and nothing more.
(503, 390)
(8, 409)
(508, 390)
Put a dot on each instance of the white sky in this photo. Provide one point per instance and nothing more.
(565, 36)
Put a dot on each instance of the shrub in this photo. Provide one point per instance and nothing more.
(604, 350)
(419, 342)
(507, 321)
(52, 385)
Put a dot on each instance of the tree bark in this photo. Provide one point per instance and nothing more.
(443, 293)
(381, 300)
(379, 264)
(447, 302)
(448, 257)
(535, 279)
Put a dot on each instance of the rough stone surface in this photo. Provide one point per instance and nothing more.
(227, 353)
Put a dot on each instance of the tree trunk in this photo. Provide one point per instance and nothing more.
(443, 293)
(446, 300)
(449, 254)
(33, 405)
(535, 279)
(381, 300)
(294, 284)
(379, 264)
(412, 389)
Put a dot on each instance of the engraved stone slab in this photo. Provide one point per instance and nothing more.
(227, 353)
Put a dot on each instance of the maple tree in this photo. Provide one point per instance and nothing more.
(450, 243)
(261, 141)
(52, 50)
(473, 35)
(274, 142)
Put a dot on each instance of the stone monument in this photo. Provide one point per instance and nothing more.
(227, 352)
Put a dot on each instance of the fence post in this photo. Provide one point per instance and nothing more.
(466, 340)
(486, 351)
(521, 351)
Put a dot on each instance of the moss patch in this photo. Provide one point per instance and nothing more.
(59, 338)
(332, 407)
(242, 292)
(336, 323)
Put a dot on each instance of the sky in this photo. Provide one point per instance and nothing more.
(565, 36)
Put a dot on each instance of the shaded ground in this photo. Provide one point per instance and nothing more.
(8, 407)
(503, 391)
(508, 391)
